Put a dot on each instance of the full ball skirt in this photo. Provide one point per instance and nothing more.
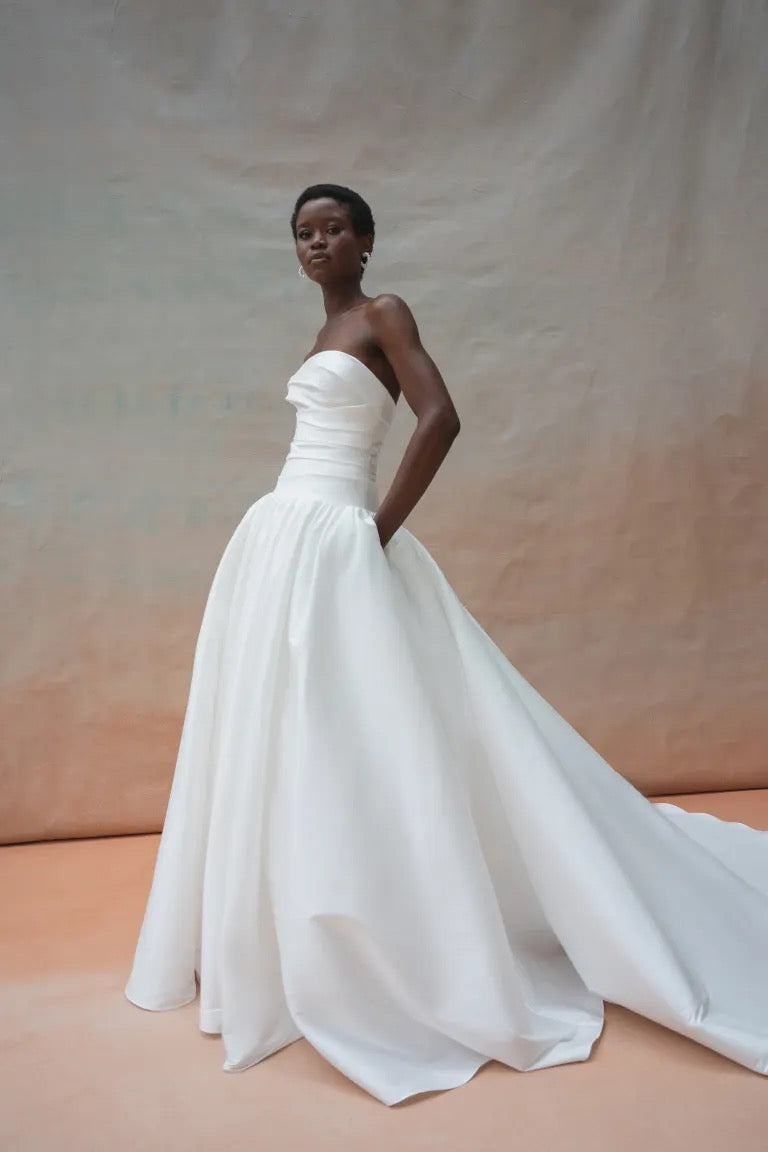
(380, 837)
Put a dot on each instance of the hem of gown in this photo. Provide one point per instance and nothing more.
(438, 1085)
(251, 1061)
(146, 1006)
(210, 1021)
(704, 817)
(447, 1083)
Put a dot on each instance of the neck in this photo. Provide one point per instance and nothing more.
(341, 297)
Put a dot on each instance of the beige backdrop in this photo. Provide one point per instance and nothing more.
(572, 198)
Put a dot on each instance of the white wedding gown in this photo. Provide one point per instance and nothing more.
(380, 837)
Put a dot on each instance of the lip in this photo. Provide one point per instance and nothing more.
(321, 256)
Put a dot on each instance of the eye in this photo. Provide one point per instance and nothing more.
(303, 234)
(334, 228)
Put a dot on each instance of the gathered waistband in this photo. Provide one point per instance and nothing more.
(299, 478)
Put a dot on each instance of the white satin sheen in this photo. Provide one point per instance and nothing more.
(380, 837)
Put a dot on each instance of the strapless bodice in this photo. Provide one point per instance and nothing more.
(343, 413)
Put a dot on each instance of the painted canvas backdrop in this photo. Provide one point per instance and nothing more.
(572, 199)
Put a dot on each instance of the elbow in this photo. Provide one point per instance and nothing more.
(451, 425)
(440, 423)
(446, 421)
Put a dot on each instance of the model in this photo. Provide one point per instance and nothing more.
(380, 836)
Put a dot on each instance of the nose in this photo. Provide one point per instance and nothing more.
(317, 242)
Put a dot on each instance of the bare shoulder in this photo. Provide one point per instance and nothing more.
(389, 306)
(390, 316)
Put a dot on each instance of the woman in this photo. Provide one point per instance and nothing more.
(379, 836)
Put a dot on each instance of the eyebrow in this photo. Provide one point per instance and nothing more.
(331, 216)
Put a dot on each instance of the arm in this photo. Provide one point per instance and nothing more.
(437, 423)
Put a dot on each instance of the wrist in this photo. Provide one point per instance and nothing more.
(384, 535)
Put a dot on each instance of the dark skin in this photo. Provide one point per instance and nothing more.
(382, 333)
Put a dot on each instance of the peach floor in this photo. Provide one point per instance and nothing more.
(82, 1070)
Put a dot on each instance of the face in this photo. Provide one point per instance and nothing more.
(326, 244)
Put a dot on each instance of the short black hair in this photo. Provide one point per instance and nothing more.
(359, 212)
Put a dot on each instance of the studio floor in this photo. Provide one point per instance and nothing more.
(81, 1069)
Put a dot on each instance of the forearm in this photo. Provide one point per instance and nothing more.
(423, 455)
